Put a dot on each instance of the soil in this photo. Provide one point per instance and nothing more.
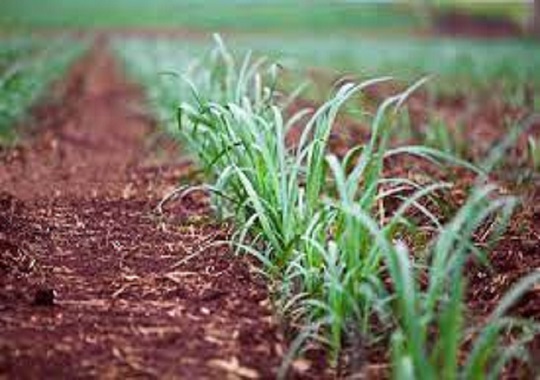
(463, 24)
(93, 281)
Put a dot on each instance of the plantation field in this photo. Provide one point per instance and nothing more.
(241, 146)
(204, 15)
(27, 66)
(456, 99)
(454, 64)
(325, 190)
(455, 67)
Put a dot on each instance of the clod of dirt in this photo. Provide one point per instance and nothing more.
(8, 252)
(212, 295)
(10, 207)
(14, 259)
(9, 203)
(44, 297)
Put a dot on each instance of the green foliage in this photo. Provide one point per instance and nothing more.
(239, 15)
(431, 328)
(534, 152)
(320, 226)
(456, 65)
(14, 48)
(27, 66)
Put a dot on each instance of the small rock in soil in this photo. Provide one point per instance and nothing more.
(212, 295)
(44, 297)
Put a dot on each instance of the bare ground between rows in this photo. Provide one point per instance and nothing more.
(93, 283)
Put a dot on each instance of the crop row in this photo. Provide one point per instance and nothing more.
(27, 67)
(335, 236)
(461, 66)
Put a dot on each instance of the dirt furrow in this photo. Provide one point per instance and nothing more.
(93, 283)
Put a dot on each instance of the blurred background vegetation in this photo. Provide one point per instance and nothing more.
(464, 44)
(253, 15)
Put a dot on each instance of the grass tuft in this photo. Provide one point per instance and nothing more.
(335, 253)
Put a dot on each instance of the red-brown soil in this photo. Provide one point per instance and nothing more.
(93, 283)
(463, 24)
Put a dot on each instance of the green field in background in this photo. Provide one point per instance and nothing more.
(206, 15)
(456, 65)
(454, 62)
(27, 66)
